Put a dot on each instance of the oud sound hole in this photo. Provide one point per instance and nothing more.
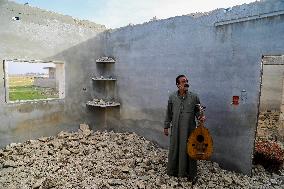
(200, 138)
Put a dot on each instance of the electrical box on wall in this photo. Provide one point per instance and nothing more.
(235, 100)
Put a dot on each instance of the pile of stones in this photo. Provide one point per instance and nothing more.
(103, 78)
(105, 59)
(270, 127)
(101, 159)
(102, 103)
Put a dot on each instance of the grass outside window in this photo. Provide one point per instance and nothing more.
(22, 88)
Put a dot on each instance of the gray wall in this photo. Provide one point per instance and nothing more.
(272, 83)
(45, 82)
(220, 62)
(272, 87)
(39, 35)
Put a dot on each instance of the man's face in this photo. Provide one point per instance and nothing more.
(182, 82)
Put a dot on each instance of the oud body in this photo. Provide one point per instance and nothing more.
(200, 142)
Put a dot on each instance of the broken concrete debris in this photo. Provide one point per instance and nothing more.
(105, 59)
(101, 159)
(270, 127)
(102, 103)
(103, 78)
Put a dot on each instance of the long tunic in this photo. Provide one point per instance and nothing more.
(180, 117)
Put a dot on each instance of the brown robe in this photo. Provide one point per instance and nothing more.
(180, 117)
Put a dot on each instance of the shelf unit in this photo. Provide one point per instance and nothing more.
(107, 88)
(103, 79)
(101, 103)
(105, 60)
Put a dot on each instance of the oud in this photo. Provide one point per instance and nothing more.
(200, 143)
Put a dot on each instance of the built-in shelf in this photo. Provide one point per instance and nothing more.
(103, 79)
(105, 60)
(102, 103)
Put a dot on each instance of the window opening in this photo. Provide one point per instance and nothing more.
(34, 80)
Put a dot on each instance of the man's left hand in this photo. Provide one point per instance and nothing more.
(201, 118)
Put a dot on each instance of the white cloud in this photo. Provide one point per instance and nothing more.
(117, 13)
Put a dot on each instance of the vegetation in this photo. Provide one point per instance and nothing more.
(22, 88)
(15, 81)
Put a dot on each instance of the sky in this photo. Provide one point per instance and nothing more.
(23, 68)
(119, 13)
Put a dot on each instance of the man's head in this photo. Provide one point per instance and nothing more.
(182, 83)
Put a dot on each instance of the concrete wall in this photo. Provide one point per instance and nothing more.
(45, 82)
(272, 84)
(220, 52)
(60, 79)
(39, 35)
(51, 73)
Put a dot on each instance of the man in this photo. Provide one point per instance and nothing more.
(180, 118)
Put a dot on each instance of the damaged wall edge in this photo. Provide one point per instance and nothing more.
(249, 18)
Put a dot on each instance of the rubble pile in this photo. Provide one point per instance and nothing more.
(102, 103)
(87, 159)
(103, 78)
(269, 126)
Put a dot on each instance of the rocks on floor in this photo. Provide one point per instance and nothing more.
(101, 159)
(270, 126)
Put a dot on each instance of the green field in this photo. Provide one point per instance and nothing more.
(21, 88)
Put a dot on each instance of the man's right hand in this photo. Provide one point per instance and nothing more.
(166, 131)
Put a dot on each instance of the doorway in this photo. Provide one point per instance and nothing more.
(271, 109)
(269, 140)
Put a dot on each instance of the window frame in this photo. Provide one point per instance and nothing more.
(61, 84)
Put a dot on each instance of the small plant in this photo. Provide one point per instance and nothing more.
(269, 154)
